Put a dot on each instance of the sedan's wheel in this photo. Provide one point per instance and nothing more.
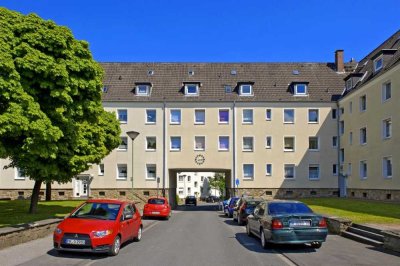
(264, 243)
(248, 230)
(139, 234)
(239, 221)
(316, 245)
(115, 246)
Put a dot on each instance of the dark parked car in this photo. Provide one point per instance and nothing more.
(231, 206)
(212, 199)
(191, 200)
(286, 222)
(244, 207)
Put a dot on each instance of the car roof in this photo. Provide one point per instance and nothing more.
(284, 201)
(164, 198)
(115, 201)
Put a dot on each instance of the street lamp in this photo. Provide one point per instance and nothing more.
(132, 135)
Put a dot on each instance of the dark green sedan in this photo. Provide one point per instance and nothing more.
(286, 222)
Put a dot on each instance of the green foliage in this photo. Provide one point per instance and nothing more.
(52, 123)
(218, 182)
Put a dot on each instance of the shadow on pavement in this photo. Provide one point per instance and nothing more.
(76, 255)
(199, 207)
(390, 252)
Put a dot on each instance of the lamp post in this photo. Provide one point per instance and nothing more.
(132, 135)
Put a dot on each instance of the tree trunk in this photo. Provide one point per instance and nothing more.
(35, 196)
(48, 191)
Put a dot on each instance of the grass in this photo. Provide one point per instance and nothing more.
(14, 212)
(358, 211)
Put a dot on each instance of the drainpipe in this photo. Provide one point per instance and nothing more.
(338, 145)
(164, 152)
(233, 179)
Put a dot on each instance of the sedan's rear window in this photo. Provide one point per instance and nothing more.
(156, 201)
(288, 208)
(252, 203)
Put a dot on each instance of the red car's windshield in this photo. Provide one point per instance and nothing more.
(156, 201)
(97, 210)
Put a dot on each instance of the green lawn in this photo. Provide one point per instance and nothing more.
(359, 211)
(14, 212)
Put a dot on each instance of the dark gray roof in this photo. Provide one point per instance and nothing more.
(271, 81)
(391, 57)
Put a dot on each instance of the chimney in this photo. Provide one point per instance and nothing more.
(339, 61)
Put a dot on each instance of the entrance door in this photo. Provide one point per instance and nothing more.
(80, 187)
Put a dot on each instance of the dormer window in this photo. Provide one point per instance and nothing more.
(300, 89)
(143, 89)
(246, 90)
(191, 89)
(378, 64)
(349, 84)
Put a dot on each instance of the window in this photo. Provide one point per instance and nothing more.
(199, 143)
(300, 89)
(223, 116)
(247, 116)
(268, 114)
(289, 171)
(228, 89)
(123, 146)
(363, 169)
(180, 192)
(313, 116)
(175, 144)
(268, 169)
(122, 171)
(175, 116)
(151, 171)
(363, 103)
(189, 178)
(101, 169)
(268, 142)
(313, 143)
(378, 63)
(387, 167)
(363, 135)
(151, 117)
(123, 116)
(151, 143)
(195, 184)
(335, 169)
(143, 90)
(351, 138)
(20, 174)
(334, 113)
(288, 116)
(189, 190)
(248, 171)
(313, 171)
(223, 143)
(288, 143)
(350, 107)
(387, 128)
(248, 143)
(200, 116)
(181, 178)
(191, 89)
(341, 127)
(202, 178)
(349, 83)
(334, 142)
(246, 90)
(386, 91)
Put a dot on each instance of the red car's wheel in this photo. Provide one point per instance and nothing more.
(115, 246)
(139, 234)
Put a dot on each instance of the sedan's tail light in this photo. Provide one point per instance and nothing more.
(322, 223)
(243, 207)
(276, 224)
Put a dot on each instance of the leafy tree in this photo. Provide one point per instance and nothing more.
(52, 123)
(218, 182)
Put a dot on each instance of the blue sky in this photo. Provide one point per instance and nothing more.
(222, 30)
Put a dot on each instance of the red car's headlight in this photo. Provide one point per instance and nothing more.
(103, 233)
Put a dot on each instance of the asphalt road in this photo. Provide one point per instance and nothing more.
(202, 236)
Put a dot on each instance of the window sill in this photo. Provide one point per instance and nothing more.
(123, 122)
(100, 174)
(288, 150)
(19, 179)
(314, 179)
(310, 150)
(223, 123)
(199, 149)
(288, 123)
(151, 150)
(121, 178)
(313, 122)
(290, 178)
(150, 179)
(122, 149)
(174, 150)
(199, 123)
(150, 123)
(223, 150)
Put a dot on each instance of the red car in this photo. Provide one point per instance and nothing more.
(157, 207)
(99, 226)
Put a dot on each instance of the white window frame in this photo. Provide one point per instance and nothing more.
(376, 67)
(363, 103)
(126, 146)
(180, 143)
(147, 116)
(294, 144)
(118, 116)
(318, 147)
(100, 172)
(266, 142)
(118, 172)
(294, 171)
(170, 116)
(147, 143)
(384, 92)
(384, 167)
(310, 110)
(363, 175)
(385, 133)
(18, 176)
(268, 173)
(187, 93)
(252, 141)
(294, 116)
(362, 136)
(200, 149)
(219, 117)
(349, 83)
(195, 117)
(297, 93)
(335, 169)
(268, 110)
(147, 171)
(246, 93)
(319, 172)
(219, 142)
(147, 90)
(252, 116)
(243, 171)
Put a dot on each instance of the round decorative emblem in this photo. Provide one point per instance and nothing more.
(199, 159)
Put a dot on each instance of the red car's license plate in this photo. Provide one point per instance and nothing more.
(75, 241)
(155, 212)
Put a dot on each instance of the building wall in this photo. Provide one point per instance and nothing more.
(377, 147)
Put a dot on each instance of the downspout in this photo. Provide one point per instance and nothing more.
(233, 179)
(164, 152)
(338, 145)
